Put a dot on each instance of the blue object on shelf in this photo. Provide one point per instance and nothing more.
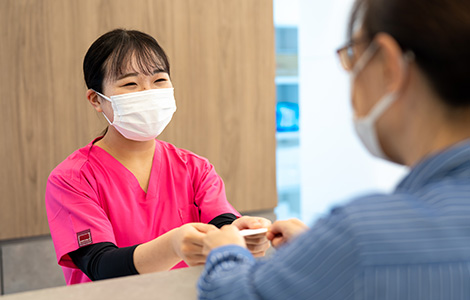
(287, 117)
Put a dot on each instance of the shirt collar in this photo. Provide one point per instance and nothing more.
(452, 161)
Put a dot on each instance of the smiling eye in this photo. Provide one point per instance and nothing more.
(129, 84)
(160, 80)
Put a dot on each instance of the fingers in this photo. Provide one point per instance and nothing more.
(190, 244)
(277, 241)
(247, 222)
(279, 227)
(257, 244)
(291, 226)
(283, 231)
(264, 222)
(194, 256)
(204, 228)
(255, 239)
(197, 239)
(259, 249)
(227, 235)
(195, 232)
(270, 235)
(195, 259)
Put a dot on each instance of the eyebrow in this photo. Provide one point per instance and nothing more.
(127, 75)
(156, 71)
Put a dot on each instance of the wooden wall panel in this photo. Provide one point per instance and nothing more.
(222, 63)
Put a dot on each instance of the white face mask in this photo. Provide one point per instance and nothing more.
(365, 126)
(142, 116)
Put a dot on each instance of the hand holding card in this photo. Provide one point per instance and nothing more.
(247, 232)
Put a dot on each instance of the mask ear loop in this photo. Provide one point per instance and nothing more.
(380, 107)
(364, 59)
(106, 98)
(408, 57)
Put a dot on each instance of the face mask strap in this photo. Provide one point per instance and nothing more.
(382, 106)
(365, 126)
(103, 96)
(364, 59)
(106, 118)
(387, 100)
(106, 98)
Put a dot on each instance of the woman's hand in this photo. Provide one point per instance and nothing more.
(227, 235)
(257, 244)
(284, 231)
(187, 242)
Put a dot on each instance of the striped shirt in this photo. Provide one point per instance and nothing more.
(411, 244)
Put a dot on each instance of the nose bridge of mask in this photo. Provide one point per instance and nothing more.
(129, 102)
(156, 100)
(143, 115)
(163, 98)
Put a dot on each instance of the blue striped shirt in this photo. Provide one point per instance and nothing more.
(411, 244)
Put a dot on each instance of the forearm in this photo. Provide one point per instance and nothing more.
(156, 255)
(105, 260)
(320, 264)
(160, 255)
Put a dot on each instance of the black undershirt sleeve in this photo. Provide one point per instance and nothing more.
(223, 219)
(106, 260)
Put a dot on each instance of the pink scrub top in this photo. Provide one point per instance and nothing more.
(92, 198)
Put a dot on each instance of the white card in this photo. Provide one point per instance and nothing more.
(246, 232)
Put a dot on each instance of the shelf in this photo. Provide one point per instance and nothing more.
(287, 79)
(287, 136)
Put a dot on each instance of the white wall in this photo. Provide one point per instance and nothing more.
(334, 166)
(286, 12)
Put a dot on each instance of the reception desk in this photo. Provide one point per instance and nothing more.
(175, 285)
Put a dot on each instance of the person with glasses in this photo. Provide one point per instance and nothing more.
(409, 64)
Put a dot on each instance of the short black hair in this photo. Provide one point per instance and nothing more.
(111, 53)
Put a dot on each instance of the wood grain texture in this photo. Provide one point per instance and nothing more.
(222, 66)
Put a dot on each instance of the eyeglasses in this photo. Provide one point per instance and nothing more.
(346, 54)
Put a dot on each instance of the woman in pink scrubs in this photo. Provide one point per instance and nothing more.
(128, 203)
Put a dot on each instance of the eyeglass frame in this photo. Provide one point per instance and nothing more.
(408, 56)
(349, 65)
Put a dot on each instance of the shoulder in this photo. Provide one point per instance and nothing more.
(71, 167)
(370, 210)
(182, 155)
(374, 202)
(369, 217)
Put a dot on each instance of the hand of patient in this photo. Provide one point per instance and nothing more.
(284, 231)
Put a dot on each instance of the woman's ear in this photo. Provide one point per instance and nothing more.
(393, 62)
(94, 100)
